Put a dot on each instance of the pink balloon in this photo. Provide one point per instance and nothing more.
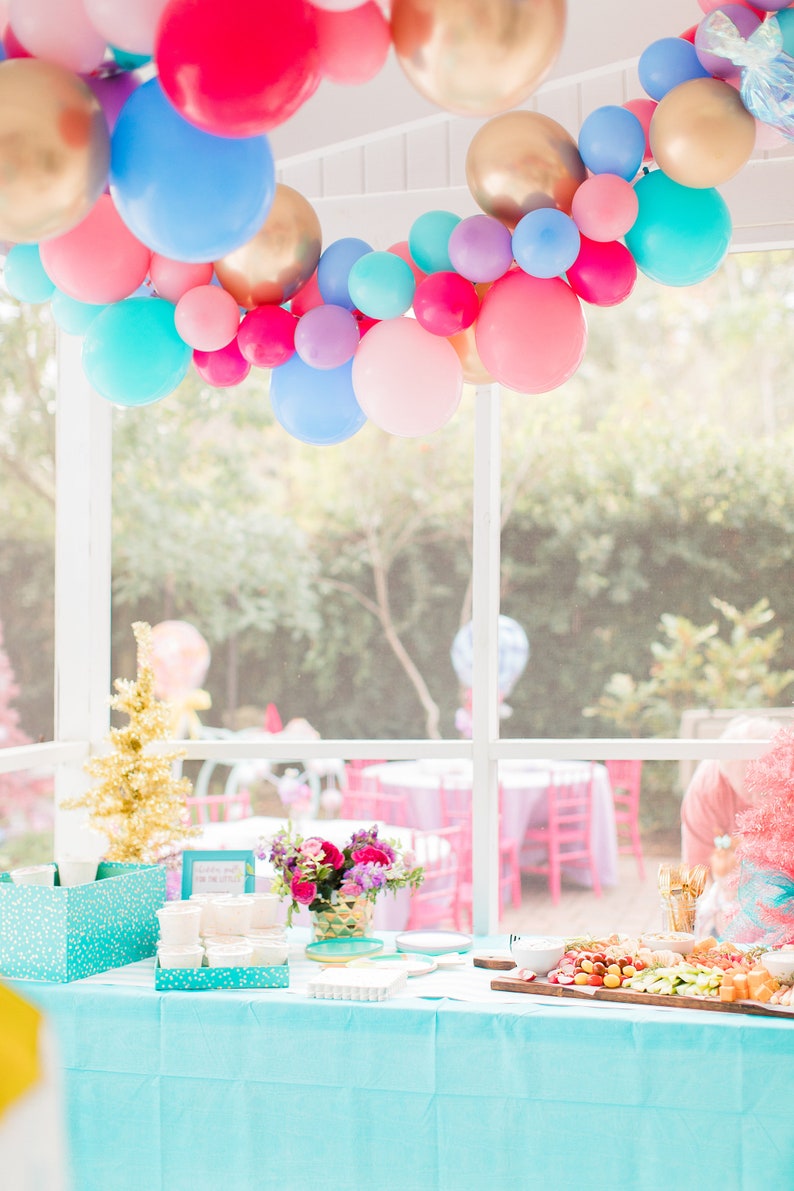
(13, 46)
(127, 24)
(605, 207)
(531, 332)
(402, 250)
(481, 248)
(267, 336)
(100, 260)
(224, 368)
(353, 44)
(172, 279)
(306, 298)
(112, 91)
(337, 5)
(207, 317)
(445, 303)
(326, 336)
(406, 380)
(58, 31)
(708, 6)
(643, 109)
(603, 274)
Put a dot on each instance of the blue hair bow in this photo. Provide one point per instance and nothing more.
(767, 82)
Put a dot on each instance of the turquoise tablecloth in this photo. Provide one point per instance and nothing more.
(271, 1089)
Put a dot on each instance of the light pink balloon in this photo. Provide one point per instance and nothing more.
(406, 380)
(207, 317)
(100, 260)
(127, 24)
(58, 31)
(224, 368)
(172, 279)
(604, 207)
(337, 5)
(326, 336)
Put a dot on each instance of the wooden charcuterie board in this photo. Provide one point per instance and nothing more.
(624, 997)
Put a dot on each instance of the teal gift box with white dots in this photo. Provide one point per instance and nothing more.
(62, 934)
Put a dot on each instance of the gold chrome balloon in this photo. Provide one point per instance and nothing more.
(54, 150)
(521, 161)
(279, 260)
(474, 371)
(701, 133)
(477, 57)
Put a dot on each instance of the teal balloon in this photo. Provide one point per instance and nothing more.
(72, 316)
(127, 61)
(132, 354)
(785, 19)
(317, 406)
(381, 284)
(681, 235)
(428, 241)
(24, 275)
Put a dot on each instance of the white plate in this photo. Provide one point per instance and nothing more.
(433, 942)
(412, 965)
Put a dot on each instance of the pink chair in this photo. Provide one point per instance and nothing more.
(567, 835)
(626, 778)
(455, 804)
(363, 798)
(436, 902)
(219, 808)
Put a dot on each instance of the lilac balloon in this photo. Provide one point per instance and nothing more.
(480, 248)
(113, 91)
(326, 336)
(746, 22)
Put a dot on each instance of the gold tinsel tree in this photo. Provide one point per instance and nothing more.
(137, 802)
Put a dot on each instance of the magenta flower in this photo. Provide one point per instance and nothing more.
(371, 855)
(304, 892)
(332, 855)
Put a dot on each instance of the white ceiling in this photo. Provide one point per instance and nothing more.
(372, 158)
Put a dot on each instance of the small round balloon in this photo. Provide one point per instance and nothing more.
(604, 207)
(666, 63)
(132, 354)
(745, 23)
(681, 235)
(545, 242)
(604, 273)
(316, 407)
(326, 337)
(480, 248)
(445, 303)
(223, 368)
(24, 275)
(58, 31)
(130, 27)
(381, 285)
(267, 336)
(701, 133)
(333, 271)
(513, 654)
(428, 240)
(353, 45)
(172, 279)
(612, 141)
(475, 58)
(100, 260)
(207, 317)
(521, 161)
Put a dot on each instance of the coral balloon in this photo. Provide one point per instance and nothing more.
(223, 368)
(465, 344)
(307, 297)
(207, 317)
(521, 161)
(531, 332)
(407, 381)
(445, 303)
(480, 248)
(681, 234)
(132, 354)
(172, 279)
(267, 336)
(701, 133)
(326, 337)
(604, 207)
(643, 109)
(237, 67)
(58, 31)
(603, 274)
(317, 407)
(280, 258)
(477, 57)
(402, 249)
(353, 44)
(54, 150)
(98, 261)
(126, 26)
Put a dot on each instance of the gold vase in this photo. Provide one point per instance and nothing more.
(346, 918)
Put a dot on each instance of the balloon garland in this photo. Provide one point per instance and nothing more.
(138, 195)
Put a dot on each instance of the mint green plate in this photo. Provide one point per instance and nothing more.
(341, 951)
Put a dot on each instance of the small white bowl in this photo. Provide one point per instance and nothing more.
(779, 964)
(679, 941)
(34, 874)
(541, 953)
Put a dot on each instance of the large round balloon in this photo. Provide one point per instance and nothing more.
(521, 161)
(71, 316)
(407, 381)
(279, 258)
(237, 67)
(126, 26)
(513, 647)
(681, 234)
(187, 194)
(701, 133)
(477, 57)
(54, 150)
(58, 31)
(353, 45)
(317, 407)
(100, 260)
(132, 354)
(531, 332)
(24, 275)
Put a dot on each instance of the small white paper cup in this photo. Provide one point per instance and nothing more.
(211, 941)
(186, 955)
(268, 953)
(34, 874)
(208, 925)
(179, 923)
(230, 955)
(232, 915)
(76, 872)
(265, 909)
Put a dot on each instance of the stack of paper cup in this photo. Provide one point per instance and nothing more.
(179, 923)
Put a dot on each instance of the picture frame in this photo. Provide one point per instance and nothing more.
(215, 874)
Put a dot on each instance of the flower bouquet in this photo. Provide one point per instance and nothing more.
(315, 873)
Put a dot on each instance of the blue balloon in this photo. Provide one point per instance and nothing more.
(72, 316)
(546, 242)
(24, 274)
(681, 234)
(313, 405)
(333, 270)
(187, 194)
(666, 63)
(381, 285)
(132, 354)
(612, 141)
(428, 241)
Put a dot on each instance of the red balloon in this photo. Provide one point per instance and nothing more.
(306, 298)
(689, 34)
(604, 273)
(353, 44)
(13, 46)
(365, 322)
(237, 67)
(643, 109)
(445, 303)
(267, 336)
(223, 368)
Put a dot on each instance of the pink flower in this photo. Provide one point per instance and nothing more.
(312, 846)
(332, 855)
(350, 889)
(409, 858)
(302, 891)
(370, 855)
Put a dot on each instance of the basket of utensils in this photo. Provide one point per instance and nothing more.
(679, 888)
